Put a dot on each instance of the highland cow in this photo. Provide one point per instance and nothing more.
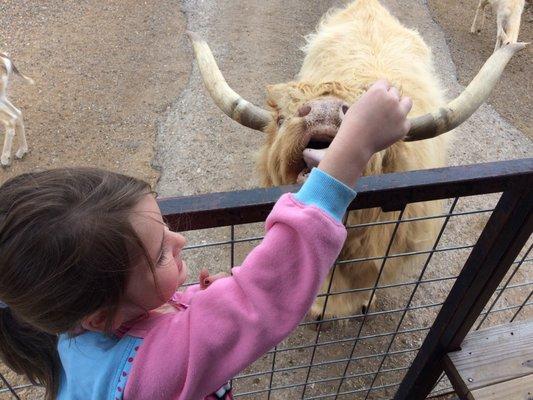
(352, 48)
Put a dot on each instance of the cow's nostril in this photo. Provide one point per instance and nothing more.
(304, 110)
(344, 109)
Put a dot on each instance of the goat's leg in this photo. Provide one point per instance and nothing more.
(512, 25)
(7, 117)
(480, 7)
(5, 159)
(21, 137)
(18, 124)
(500, 33)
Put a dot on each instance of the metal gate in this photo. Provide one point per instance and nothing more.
(476, 274)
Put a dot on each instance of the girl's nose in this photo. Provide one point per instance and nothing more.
(179, 241)
(182, 240)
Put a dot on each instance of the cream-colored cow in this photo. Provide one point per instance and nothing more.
(352, 48)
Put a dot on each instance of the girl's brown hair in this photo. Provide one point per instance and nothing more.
(66, 245)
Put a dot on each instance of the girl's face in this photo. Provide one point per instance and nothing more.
(149, 289)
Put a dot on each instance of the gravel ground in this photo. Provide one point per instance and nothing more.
(116, 88)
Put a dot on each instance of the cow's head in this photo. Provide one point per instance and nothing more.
(303, 115)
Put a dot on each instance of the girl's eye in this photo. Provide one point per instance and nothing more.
(164, 258)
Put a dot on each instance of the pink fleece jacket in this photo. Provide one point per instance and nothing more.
(192, 352)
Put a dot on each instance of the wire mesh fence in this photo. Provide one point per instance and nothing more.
(367, 353)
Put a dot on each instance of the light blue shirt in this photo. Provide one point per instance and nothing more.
(95, 366)
(326, 192)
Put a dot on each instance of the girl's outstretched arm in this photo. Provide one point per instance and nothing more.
(189, 354)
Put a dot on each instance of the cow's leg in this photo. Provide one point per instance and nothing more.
(346, 277)
(480, 8)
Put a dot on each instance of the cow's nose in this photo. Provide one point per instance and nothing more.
(344, 109)
(304, 110)
(323, 110)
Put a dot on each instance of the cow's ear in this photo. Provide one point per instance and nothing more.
(275, 94)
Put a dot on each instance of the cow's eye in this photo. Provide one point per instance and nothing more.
(280, 120)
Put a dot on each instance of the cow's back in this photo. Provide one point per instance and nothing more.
(363, 43)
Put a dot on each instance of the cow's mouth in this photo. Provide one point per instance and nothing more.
(313, 153)
(318, 144)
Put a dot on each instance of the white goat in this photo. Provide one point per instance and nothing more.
(11, 116)
(508, 13)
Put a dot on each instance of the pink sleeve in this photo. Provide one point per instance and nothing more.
(226, 327)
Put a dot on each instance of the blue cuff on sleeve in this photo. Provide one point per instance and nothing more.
(327, 193)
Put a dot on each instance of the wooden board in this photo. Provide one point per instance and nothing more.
(515, 389)
(492, 356)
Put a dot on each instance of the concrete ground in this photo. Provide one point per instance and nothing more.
(117, 87)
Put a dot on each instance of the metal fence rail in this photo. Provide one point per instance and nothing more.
(478, 272)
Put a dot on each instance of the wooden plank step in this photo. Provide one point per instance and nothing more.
(490, 357)
(515, 389)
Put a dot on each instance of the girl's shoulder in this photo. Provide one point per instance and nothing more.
(94, 365)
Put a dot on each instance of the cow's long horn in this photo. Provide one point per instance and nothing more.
(226, 99)
(460, 109)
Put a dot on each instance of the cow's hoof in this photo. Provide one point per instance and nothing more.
(319, 324)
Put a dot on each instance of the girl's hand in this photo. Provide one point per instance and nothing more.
(206, 279)
(376, 121)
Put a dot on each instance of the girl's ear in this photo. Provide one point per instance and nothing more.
(95, 322)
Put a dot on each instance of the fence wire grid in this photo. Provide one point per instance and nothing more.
(366, 354)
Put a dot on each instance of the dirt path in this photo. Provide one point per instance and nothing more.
(104, 72)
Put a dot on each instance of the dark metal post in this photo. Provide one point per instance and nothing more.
(503, 237)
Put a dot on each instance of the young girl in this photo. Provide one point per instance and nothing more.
(89, 272)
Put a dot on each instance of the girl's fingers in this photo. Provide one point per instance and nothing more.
(204, 278)
(207, 280)
(220, 275)
(381, 84)
(406, 127)
(405, 105)
(395, 92)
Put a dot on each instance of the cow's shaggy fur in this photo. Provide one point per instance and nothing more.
(352, 48)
